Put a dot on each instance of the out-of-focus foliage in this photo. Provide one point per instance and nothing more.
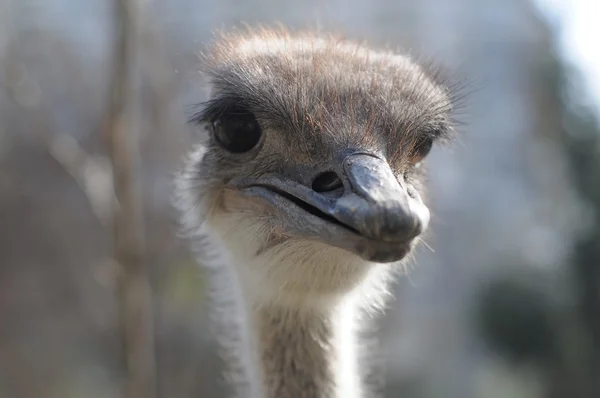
(518, 316)
(518, 320)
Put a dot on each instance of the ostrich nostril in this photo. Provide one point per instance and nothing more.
(327, 182)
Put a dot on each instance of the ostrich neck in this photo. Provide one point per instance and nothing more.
(279, 345)
(305, 353)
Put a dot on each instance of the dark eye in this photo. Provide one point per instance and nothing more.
(237, 132)
(421, 149)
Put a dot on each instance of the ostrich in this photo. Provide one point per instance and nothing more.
(303, 199)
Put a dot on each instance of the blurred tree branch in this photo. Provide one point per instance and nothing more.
(91, 172)
(134, 288)
(135, 36)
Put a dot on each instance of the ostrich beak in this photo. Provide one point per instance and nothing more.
(375, 216)
(377, 204)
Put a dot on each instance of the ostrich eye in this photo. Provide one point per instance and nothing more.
(421, 150)
(237, 132)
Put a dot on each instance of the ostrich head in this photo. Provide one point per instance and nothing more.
(308, 176)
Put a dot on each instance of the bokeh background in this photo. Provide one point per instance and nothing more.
(505, 304)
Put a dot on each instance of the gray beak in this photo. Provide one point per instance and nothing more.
(376, 204)
(370, 212)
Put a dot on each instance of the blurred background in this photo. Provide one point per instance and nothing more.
(506, 303)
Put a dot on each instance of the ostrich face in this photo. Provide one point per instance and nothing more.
(313, 146)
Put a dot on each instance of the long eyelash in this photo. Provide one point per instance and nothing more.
(202, 114)
(212, 109)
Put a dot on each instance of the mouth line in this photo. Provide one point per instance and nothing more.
(309, 208)
(334, 232)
